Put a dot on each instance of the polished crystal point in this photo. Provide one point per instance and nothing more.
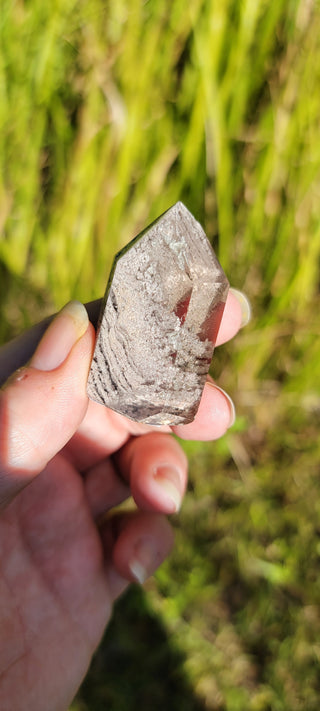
(159, 322)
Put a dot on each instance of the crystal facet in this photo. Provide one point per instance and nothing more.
(159, 322)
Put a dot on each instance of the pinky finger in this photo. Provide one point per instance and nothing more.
(135, 545)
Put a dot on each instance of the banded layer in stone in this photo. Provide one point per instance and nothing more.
(159, 322)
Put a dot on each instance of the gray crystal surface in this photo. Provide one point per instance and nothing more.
(159, 322)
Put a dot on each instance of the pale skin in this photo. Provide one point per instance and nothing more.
(64, 464)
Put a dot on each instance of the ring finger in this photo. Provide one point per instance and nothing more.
(152, 468)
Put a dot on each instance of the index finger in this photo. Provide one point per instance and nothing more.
(237, 313)
(103, 431)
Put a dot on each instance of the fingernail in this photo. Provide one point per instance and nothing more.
(168, 479)
(64, 331)
(144, 561)
(245, 306)
(232, 408)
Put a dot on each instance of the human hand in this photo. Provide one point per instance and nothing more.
(64, 464)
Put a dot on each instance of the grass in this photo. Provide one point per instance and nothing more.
(109, 113)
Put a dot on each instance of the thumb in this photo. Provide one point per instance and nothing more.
(42, 404)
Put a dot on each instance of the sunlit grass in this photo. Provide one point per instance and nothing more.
(109, 113)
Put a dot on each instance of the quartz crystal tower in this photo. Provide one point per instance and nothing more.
(159, 322)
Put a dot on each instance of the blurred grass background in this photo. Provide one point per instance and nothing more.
(109, 113)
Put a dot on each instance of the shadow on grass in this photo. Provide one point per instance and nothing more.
(136, 666)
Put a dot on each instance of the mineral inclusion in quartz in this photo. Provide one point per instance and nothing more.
(159, 322)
